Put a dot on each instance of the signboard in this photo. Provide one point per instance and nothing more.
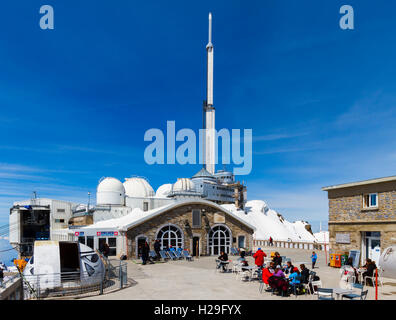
(219, 218)
(343, 238)
(107, 233)
(79, 234)
(355, 255)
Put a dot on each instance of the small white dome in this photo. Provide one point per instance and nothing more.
(164, 190)
(183, 184)
(138, 187)
(110, 191)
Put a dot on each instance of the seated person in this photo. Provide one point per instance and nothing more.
(278, 272)
(371, 266)
(223, 259)
(268, 272)
(304, 274)
(172, 249)
(349, 262)
(289, 268)
(278, 282)
(294, 278)
(242, 254)
(368, 261)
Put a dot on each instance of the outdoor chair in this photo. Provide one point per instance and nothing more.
(152, 254)
(325, 294)
(164, 255)
(237, 268)
(317, 284)
(178, 255)
(380, 282)
(171, 255)
(353, 296)
(187, 255)
(244, 275)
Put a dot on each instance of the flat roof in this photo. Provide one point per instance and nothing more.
(359, 183)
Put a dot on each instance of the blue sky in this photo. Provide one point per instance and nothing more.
(76, 101)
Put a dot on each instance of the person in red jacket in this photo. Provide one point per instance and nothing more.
(259, 257)
(268, 272)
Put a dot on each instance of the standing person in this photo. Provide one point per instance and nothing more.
(145, 253)
(270, 241)
(106, 249)
(259, 258)
(157, 249)
(1, 277)
(314, 257)
(277, 259)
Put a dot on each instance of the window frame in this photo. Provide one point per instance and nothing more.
(200, 218)
(369, 204)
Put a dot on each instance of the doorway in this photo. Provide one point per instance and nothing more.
(372, 246)
(195, 249)
(241, 242)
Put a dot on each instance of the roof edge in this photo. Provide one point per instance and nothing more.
(360, 183)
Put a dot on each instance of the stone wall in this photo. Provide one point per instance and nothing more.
(180, 217)
(347, 215)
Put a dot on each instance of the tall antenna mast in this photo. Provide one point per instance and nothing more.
(209, 110)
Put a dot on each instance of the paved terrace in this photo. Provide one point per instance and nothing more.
(176, 280)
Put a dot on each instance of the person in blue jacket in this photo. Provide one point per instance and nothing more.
(314, 257)
(294, 279)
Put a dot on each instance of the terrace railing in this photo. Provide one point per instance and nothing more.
(287, 243)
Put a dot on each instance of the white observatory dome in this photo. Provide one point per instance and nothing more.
(138, 187)
(110, 191)
(183, 185)
(164, 190)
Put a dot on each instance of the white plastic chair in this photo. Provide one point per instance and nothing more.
(380, 280)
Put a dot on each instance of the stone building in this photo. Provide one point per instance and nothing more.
(197, 225)
(362, 216)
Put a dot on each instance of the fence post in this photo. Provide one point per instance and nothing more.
(101, 286)
(376, 284)
(120, 275)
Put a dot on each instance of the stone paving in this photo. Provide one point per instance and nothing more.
(175, 280)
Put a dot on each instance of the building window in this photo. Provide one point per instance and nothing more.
(60, 220)
(196, 218)
(170, 236)
(219, 240)
(145, 206)
(370, 200)
(60, 210)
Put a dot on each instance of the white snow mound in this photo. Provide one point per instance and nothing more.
(269, 223)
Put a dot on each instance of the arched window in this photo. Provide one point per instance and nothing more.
(219, 240)
(170, 235)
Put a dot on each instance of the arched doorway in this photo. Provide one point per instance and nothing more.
(170, 235)
(219, 240)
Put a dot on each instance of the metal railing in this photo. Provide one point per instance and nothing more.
(301, 244)
(80, 284)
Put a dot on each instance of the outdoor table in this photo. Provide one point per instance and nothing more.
(339, 292)
(360, 272)
(250, 269)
